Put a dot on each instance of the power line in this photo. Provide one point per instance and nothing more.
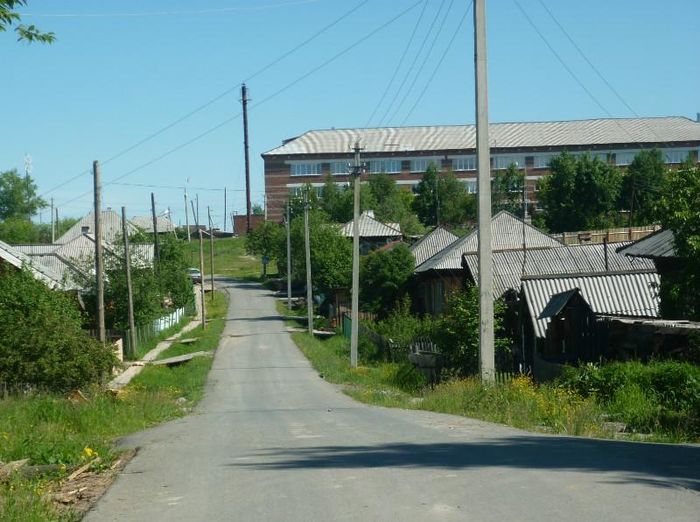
(215, 98)
(413, 63)
(439, 64)
(423, 64)
(399, 64)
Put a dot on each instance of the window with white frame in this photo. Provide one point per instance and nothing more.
(471, 186)
(602, 156)
(675, 156)
(385, 166)
(339, 168)
(463, 163)
(306, 169)
(422, 164)
(504, 161)
(624, 157)
(541, 161)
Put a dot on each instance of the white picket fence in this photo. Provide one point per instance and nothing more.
(167, 321)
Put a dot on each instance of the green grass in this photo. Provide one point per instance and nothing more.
(50, 429)
(230, 259)
(145, 347)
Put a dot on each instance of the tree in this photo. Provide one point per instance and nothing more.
(507, 190)
(257, 209)
(264, 240)
(18, 197)
(28, 33)
(679, 211)
(641, 186)
(580, 193)
(442, 189)
(383, 277)
(337, 201)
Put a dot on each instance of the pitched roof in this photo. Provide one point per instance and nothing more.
(623, 293)
(146, 224)
(111, 227)
(578, 133)
(370, 227)
(659, 244)
(571, 259)
(18, 259)
(431, 243)
(506, 234)
(557, 303)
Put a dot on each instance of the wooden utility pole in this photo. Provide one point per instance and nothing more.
(53, 225)
(187, 219)
(244, 101)
(486, 335)
(211, 253)
(99, 267)
(354, 312)
(194, 215)
(289, 260)
(307, 249)
(56, 221)
(225, 209)
(156, 249)
(201, 272)
(129, 289)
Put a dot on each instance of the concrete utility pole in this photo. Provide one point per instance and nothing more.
(524, 215)
(53, 223)
(354, 312)
(129, 289)
(225, 209)
(307, 248)
(201, 272)
(244, 101)
(156, 249)
(289, 260)
(194, 215)
(99, 268)
(486, 342)
(187, 219)
(211, 253)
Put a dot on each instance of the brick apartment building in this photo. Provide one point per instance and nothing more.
(406, 152)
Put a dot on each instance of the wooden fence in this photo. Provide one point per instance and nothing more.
(612, 235)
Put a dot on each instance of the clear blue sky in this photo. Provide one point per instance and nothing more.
(121, 70)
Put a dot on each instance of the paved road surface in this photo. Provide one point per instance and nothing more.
(273, 441)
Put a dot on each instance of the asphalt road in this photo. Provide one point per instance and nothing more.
(273, 441)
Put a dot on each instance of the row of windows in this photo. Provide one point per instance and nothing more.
(468, 163)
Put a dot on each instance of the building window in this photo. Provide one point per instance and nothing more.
(385, 166)
(340, 168)
(471, 186)
(306, 169)
(541, 161)
(624, 157)
(501, 162)
(422, 164)
(676, 156)
(463, 163)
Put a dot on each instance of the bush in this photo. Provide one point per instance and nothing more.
(41, 340)
(402, 328)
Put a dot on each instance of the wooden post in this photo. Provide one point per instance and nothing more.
(309, 287)
(53, 225)
(211, 253)
(99, 267)
(201, 272)
(129, 289)
(187, 219)
(289, 260)
(156, 250)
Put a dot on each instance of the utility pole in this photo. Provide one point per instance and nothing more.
(289, 260)
(211, 253)
(201, 272)
(129, 289)
(244, 101)
(437, 201)
(307, 248)
(56, 220)
(486, 341)
(524, 215)
(225, 210)
(99, 268)
(196, 217)
(156, 249)
(187, 219)
(53, 223)
(354, 312)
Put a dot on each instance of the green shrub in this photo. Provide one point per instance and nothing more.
(41, 340)
(401, 328)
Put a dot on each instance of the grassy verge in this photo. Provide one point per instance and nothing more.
(549, 408)
(147, 346)
(49, 429)
(230, 259)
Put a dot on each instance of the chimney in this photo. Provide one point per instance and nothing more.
(85, 229)
(697, 117)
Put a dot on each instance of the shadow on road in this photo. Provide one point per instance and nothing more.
(654, 464)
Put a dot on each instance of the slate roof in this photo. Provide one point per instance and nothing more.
(578, 133)
(111, 227)
(506, 234)
(431, 243)
(370, 227)
(557, 303)
(660, 244)
(18, 259)
(146, 224)
(572, 259)
(622, 293)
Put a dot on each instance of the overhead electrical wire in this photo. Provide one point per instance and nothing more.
(261, 102)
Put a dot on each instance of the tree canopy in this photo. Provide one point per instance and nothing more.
(383, 276)
(641, 186)
(507, 190)
(18, 196)
(442, 193)
(11, 18)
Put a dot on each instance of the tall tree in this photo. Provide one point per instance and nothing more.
(641, 186)
(391, 203)
(383, 277)
(580, 193)
(443, 191)
(507, 190)
(28, 33)
(18, 197)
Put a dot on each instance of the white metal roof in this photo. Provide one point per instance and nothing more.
(370, 227)
(578, 133)
(634, 294)
(658, 244)
(431, 243)
(18, 259)
(111, 227)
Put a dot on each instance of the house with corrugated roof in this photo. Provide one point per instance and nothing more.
(373, 233)
(11, 257)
